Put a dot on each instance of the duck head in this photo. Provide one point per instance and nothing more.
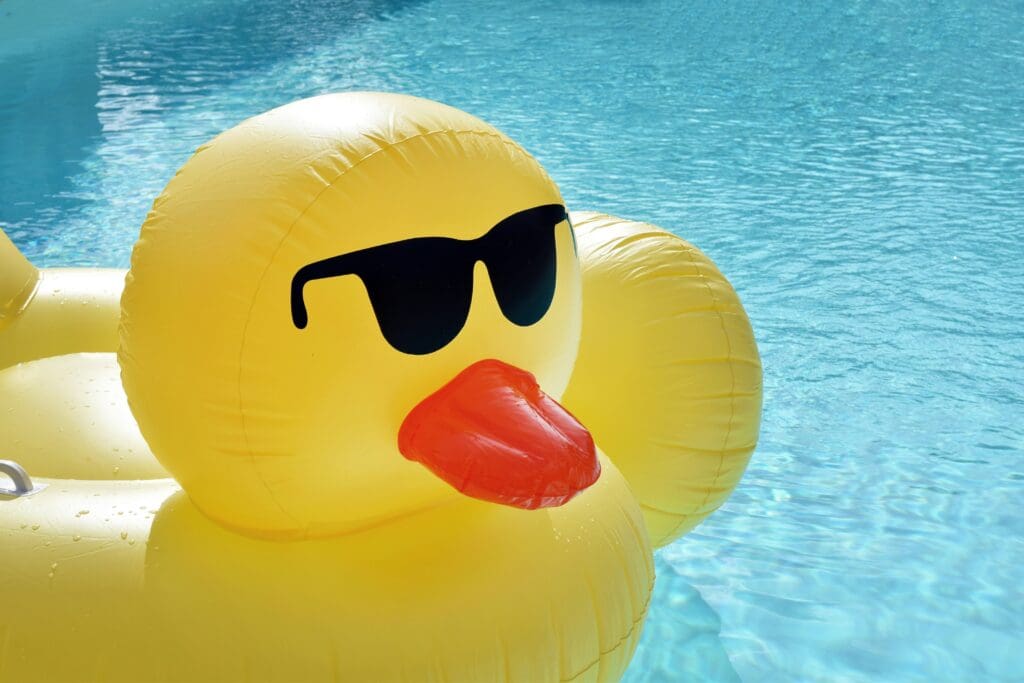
(354, 307)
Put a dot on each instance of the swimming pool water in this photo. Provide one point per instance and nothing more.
(856, 169)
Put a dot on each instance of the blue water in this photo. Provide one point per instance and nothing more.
(857, 170)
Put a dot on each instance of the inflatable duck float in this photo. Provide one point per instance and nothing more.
(372, 406)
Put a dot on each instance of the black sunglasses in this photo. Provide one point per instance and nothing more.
(421, 288)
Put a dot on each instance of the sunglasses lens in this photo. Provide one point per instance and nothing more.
(520, 258)
(421, 292)
(421, 289)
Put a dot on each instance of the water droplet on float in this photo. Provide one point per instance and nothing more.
(124, 535)
(53, 567)
(131, 542)
(76, 538)
(35, 527)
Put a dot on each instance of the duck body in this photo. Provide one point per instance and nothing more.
(222, 493)
(112, 566)
(128, 581)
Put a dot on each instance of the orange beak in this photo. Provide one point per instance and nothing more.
(494, 435)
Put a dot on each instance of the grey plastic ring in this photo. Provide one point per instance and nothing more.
(22, 482)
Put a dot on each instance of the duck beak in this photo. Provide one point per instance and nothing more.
(494, 435)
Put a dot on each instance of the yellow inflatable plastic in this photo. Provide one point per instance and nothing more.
(346, 334)
(668, 377)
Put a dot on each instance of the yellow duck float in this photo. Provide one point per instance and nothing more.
(341, 422)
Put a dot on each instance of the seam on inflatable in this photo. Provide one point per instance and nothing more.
(706, 361)
(668, 443)
(640, 534)
(683, 519)
(287, 233)
(732, 380)
(597, 626)
(670, 513)
(626, 636)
